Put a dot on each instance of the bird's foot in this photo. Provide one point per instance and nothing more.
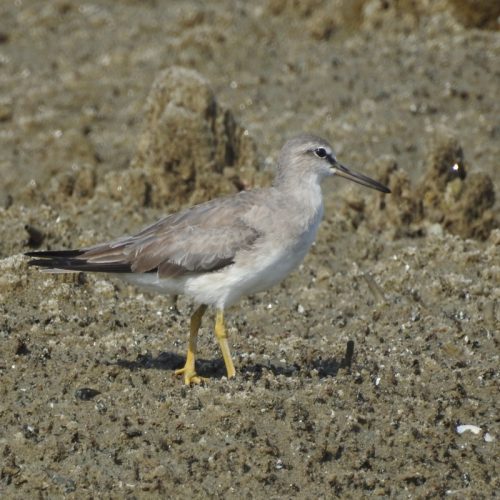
(190, 376)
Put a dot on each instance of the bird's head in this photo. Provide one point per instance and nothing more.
(310, 156)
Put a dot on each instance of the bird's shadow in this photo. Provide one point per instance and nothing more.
(214, 368)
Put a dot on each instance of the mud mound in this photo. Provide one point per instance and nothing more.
(450, 196)
(323, 18)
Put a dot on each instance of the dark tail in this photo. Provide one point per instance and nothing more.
(73, 260)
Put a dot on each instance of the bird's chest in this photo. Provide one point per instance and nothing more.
(305, 237)
(287, 251)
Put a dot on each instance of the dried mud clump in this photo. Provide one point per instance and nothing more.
(468, 13)
(323, 17)
(320, 18)
(447, 198)
(191, 148)
(462, 203)
(477, 13)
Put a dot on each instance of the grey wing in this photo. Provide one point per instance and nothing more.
(201, 239)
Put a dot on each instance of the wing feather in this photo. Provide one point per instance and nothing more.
(204, 238)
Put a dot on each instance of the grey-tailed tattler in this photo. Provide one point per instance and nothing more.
(223, 249)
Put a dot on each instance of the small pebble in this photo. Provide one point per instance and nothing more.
(86, 393)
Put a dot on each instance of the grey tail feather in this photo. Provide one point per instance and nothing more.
(68, 260)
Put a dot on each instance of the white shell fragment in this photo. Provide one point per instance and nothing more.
(489, 438)
(467, 427)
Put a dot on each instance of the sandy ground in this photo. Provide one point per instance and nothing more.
(114, 113)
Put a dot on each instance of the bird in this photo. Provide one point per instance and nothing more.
(218, 251)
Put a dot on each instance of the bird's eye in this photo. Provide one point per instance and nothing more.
(320, 152)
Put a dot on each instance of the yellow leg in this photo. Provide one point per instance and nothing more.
(220, 333)
(189, 371)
